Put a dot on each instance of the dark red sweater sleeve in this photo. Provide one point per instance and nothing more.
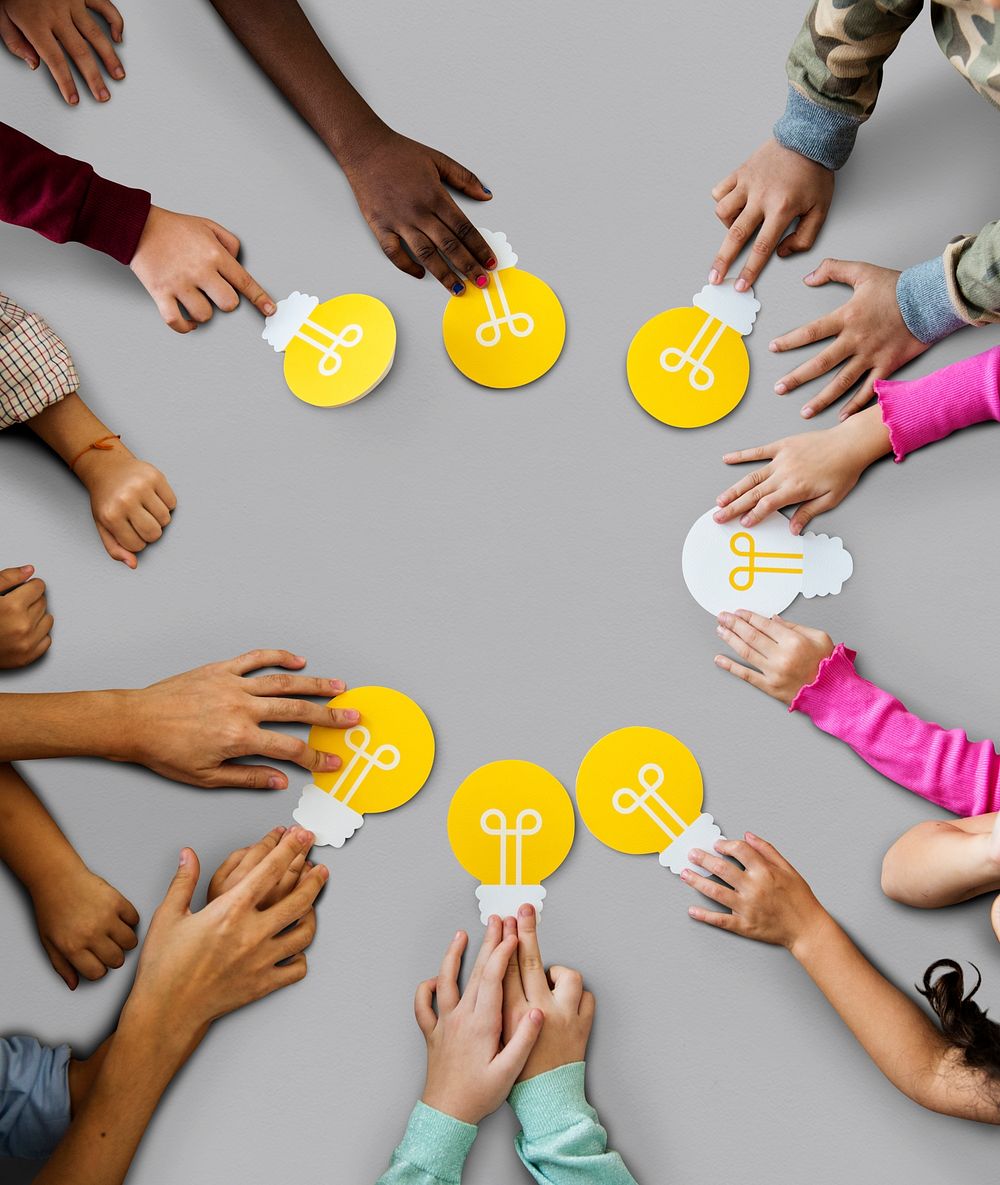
(65, 200)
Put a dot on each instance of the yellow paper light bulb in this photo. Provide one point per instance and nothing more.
(640, 791)
(689, 366)
(510, 824)
(335, 352)
(385, 759)
(509, 333)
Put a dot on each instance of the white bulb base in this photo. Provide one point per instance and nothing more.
(287, 319)
(502, 250)
(332, 822)
(703, 833)
(504, 900)
(738, 310)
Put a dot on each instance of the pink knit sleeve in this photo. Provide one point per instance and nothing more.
(928, 409)
(941, 765)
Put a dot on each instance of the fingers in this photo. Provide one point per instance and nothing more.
(397, 254)
(122, 935)
(489, 996)
(307, 713)
(198, 306)
(295, 940)
(756, 631)
(763, 248)
(89, 965)
(12, 577)
(472, 242)
(744, 495)
(728, 208)
(529, 956)
(165, 492)
(173, 318)
(863, 396)
(128, 912)
(846, 377)
(807, 511)
(765, 849)
(461, 178)
(182, 887)
(282, 747)
(299, 901)
(154, 505)
(423, 1006)
(109, 953)
(709, 888)
(734, 242)
(262, 879)
(804, 235)
(454, 249)
(446, 983)
(285, 685)
(115, 549)
(806, 335)
(817, 365)
(247, 286)
(236, 775)
(739, 850)
(721, 188)
(512, 1058)
(747, 674)
(426, 252)
(85, 61)
(737, 644)
(29, 592)
(144, 525)
(837, 271)
(18, 45)
(62, 966)
(254, 660)
(722, 921)
(567, 986)
(111, 14)
(513, 986)
(491, 940)
(50, 51)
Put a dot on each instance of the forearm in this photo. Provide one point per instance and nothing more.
(68, 427)
(284, 44)
(939, 863)
(65, 724)
(899, 1038)
(147, 1051)
(31, 843)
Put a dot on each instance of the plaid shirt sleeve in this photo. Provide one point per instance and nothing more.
(36, 369)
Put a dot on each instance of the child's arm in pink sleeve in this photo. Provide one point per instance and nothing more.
(941, 765)
(928, 409)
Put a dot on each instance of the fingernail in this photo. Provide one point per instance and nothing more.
(300, 658)
(713, 276)
(118, 72)
(273, 783)
(741, 285)
(281, 830)
(485, 190)
(525, 911)
(269, 308)
(306, 837)
(103, 95)
(491, 263)
(482, 281)
(457, 289)
(723, 617)
(809, 277)
(773, 347)
(331, 761)
(352, 715)
(182, 858)
(324, 872)
(720, 631)
(843, 416)
(73, 100)
(746, 521)
(337, 685)
(27, 569)
(780, 388)
(807, 413)
(685, 874)
(717, 516)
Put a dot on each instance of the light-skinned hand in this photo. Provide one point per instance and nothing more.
(870, 338)
(762, 198)
(813, 470)
(469, 1070)
(768, 899)
(787, 656)
(52, 31)
(25, 620)
(239, 864)
(85, 924)
(131, 500)
(401, 188)
(199, 966)
(558, 994)
(187, 263)
(192, 727)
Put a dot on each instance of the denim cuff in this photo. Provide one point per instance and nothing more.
(924, 301)
(819, 133)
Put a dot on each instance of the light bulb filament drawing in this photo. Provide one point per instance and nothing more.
(362, 762)
(329, 342)
(494, 822)
(742, 546)
(627, 801)
(701, 376)
(520, 324)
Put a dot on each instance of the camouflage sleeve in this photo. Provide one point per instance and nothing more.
(835, 71)
(960, 287)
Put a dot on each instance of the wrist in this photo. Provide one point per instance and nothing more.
(106, 725)
(168, 1038)
(451, 1104)
(867, 435)
(811, 936)
(91, 460)
(366, 135)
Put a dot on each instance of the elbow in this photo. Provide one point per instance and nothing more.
(893, 875)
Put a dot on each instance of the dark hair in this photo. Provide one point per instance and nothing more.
(964, 1023)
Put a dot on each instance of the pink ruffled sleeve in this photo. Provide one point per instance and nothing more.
(941, 765)
(928, 409)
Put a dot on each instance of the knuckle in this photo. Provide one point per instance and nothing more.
(762, 246)
(425, 252)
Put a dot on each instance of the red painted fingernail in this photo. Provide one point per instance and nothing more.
(491, 263)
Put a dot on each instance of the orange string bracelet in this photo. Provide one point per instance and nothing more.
(101, 444)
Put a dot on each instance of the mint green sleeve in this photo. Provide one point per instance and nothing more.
(432, 1150)
(561, 1141)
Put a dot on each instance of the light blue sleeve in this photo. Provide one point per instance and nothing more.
(561, 1141)
(34, 1097)
(432, 1150)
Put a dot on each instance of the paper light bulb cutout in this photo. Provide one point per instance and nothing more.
(510, 824)
(335, 352)
(764, 568)
(640, 791)
(387, 757)
(509, 333)
(689, 366)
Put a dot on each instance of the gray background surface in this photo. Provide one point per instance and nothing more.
(511, 561)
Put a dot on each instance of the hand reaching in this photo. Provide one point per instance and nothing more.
(51, 31)
(787, 656)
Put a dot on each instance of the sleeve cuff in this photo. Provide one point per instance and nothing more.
(819, 133)
(552, 1101)
(112, 217)
(924, 301)
(34, 1098)
(436, 1143)
(836, 669)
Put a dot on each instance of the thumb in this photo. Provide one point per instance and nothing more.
(14, 40)
(461, 178)
(838, 271)
(115, 549)
(515, 1052)
(185, 882)
(12, 577)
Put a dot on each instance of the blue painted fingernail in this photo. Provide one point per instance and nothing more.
(457, 289)
(489, 191)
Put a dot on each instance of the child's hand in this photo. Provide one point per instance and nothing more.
(52, 30)
(131, 500)
(85, 924)
(25, 620)
(469, 1072)
(787, 656)
(770, 190)
(190, 262)
(400, 187)
(239, 864)
(816, 470)
(559, 995)
(869, 337)
(770, 902)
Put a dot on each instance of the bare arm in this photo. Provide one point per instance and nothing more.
(942, 862)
